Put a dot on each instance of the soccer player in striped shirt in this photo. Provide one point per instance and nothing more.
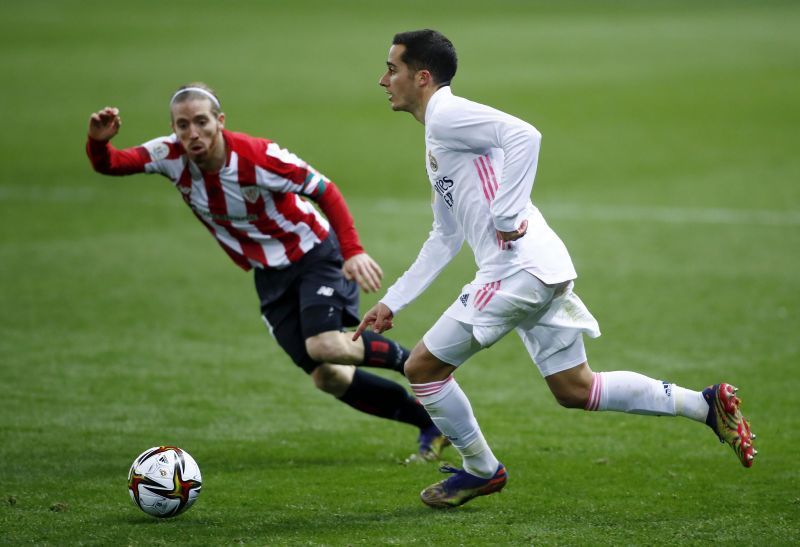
(252, 196)
(481, 164)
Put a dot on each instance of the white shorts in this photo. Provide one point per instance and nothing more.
(550, 319)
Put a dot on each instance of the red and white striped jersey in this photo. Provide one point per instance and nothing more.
(253, 205)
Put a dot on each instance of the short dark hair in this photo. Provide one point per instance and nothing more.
(430, 50)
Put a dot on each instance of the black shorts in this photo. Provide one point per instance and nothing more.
(307, 298)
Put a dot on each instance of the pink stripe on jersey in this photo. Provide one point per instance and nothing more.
(491, 173)
(483, 166)
(432, 388)
(489, 179)
(484, 184)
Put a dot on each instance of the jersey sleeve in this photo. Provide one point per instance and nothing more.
(146, 158)
(444, 241)
(478, 128)
(108, 160)
(332, 203)
(279, 170)
(285, 172)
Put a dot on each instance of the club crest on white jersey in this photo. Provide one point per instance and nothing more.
(251, 193)
(432, 162)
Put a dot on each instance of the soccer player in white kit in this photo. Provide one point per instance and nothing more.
(481, 164)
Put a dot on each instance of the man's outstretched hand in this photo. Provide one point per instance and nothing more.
(379, 318)
(104, 124)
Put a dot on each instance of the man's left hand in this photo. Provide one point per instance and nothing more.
(516, 234)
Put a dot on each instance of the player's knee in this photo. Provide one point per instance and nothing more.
(414, 368)
(572, 387)
(333, 379)
(422, 367)
(325, 348)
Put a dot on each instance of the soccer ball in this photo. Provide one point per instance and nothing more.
(164, 481)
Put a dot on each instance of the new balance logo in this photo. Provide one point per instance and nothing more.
(463, 299)
(325, 291)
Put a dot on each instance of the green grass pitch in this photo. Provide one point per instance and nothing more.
(669, 166)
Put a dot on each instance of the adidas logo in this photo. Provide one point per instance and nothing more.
(463, 299)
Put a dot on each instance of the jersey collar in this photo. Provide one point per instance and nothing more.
(439, 95)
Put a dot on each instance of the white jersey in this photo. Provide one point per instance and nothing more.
(481, 163)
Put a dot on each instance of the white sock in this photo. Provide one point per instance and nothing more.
(450, 410)
(635, 393)
(690, 404)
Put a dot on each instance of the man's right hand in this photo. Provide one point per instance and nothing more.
(104, 124)
(364, 270)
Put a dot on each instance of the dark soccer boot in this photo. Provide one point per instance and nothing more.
(431, 443)
(461, 487)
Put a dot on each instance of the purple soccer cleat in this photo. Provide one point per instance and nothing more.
(431, 443)
(461, 487)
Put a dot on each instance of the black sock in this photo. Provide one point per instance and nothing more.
(381, 397)
(381, 352)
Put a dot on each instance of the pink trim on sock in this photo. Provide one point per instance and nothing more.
(432, 388)
(594, 394)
